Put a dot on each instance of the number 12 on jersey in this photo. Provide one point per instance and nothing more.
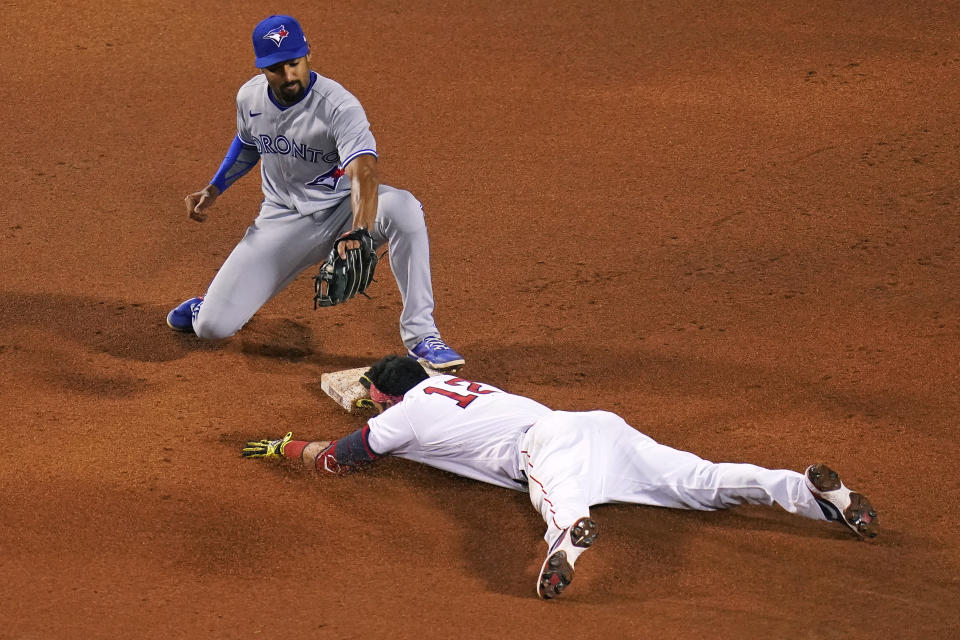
(463, 400)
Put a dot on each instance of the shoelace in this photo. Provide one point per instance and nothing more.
(436, 344)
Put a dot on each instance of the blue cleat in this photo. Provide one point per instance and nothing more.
(182, 316)
(433, 352)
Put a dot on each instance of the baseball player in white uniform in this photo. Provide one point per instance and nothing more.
(567, 461)
(318, 167)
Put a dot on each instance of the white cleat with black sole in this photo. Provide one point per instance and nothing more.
(840, 503)
(556, 574)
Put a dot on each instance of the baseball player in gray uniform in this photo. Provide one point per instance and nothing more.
(318, 167)
(567, 461)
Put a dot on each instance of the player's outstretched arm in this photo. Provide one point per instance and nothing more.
(337, 457)
(240, 159)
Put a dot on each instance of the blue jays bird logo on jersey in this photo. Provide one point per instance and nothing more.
(277, 35)
(328, 180)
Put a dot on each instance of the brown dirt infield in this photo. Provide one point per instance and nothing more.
(735, 224)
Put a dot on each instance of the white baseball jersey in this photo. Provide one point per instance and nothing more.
(305, 146)
(469, 429)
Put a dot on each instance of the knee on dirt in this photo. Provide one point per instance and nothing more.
(210, 328)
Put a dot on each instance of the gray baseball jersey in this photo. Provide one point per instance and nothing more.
(303, 150)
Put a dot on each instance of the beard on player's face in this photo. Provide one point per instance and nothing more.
(291, 91)
(288, 79)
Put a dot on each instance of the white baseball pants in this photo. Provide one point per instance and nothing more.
(576, 460)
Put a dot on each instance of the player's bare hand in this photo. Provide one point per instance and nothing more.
(345, 245)
(197, 203)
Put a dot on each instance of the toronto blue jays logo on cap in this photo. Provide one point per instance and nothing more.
(277, 39)
(277, 35)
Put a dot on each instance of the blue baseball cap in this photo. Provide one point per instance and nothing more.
(277, 39)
